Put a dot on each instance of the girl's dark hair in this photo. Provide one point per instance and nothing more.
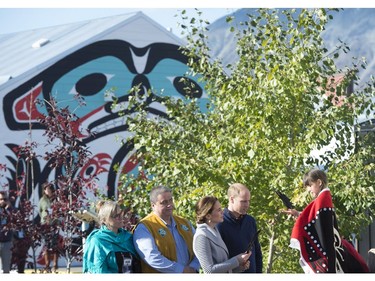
(313, 175)
(204, 207)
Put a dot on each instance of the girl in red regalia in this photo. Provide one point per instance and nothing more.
(315, 233)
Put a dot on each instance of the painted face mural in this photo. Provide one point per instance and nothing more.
(100, 72)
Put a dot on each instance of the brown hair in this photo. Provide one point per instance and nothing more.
(4, 193)
(48, 184)
(204, 207)
(313, 176)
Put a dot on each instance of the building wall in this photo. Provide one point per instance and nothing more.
(100, 71)
(138, 53)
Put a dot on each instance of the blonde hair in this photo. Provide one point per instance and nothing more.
(235, 189)
(106, 209)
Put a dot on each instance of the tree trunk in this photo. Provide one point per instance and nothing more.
(271, 252)
(68, 260)
(34, 258)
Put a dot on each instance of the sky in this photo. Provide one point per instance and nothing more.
(21, 15)
(21, 19)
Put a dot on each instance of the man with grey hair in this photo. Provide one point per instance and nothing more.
(238, 227)
(164, 241)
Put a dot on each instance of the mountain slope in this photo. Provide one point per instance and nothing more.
(354, 26)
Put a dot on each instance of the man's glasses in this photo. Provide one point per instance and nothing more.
(166, 202)
(4, 199)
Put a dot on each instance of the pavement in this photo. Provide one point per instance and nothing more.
(61, 270)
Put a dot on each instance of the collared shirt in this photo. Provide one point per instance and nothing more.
(145, 245)
(232, 215)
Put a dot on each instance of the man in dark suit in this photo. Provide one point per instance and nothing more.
(238, 228)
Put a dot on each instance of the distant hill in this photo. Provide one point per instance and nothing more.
(354, 26)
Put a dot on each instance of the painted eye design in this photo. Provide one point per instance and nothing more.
(187, 87)
(91, 84)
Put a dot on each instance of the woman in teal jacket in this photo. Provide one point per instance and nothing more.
(110, 248)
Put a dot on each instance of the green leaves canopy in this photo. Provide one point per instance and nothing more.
(283, 109)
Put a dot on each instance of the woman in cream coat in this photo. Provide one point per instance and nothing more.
(208, 245)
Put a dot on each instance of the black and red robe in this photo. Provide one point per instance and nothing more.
(315, 234)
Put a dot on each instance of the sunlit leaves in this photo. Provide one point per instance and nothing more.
(270, 120)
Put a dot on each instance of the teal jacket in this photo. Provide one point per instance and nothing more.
(100, 248)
